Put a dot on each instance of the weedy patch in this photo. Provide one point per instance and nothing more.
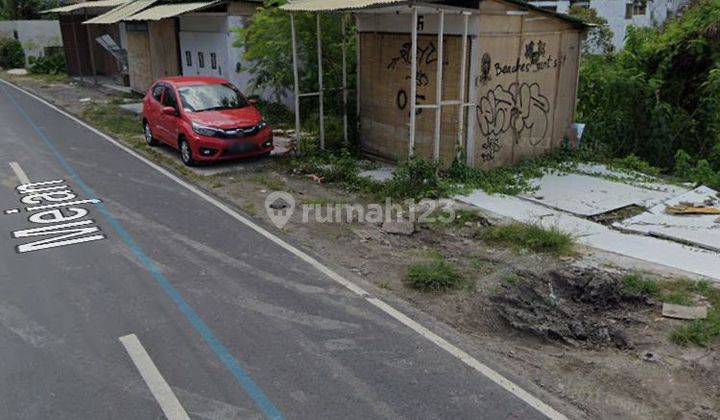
(436, 275)
(700, 332)
(532, 237)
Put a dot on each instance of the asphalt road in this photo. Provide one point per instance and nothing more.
(227, 323)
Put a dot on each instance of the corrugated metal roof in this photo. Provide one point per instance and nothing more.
(165, 11)
(335, 5)
(119, 13)
(100, 4)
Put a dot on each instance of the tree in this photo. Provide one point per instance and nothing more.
(23, 9)
(268, 47)
(599, 38)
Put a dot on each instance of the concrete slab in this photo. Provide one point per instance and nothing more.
(380, 175)
(698, 230)
(658, 251)
(587, 195)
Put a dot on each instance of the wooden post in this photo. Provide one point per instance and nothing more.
(90, 48)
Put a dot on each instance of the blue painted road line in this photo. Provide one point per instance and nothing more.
(241, 376)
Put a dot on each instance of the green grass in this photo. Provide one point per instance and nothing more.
(436, 275)
(635, 284)
(113, 120)
(532, 237)
(699, 332)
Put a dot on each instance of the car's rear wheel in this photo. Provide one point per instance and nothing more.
(149, 138)
(186, 153)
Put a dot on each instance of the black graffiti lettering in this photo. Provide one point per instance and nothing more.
(401, 99)
(490, 148)
(520, 108)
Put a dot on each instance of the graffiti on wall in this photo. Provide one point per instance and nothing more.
(535, 59)
(426, 56)
(519, 109)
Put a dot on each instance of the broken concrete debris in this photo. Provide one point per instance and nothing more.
(671, 310)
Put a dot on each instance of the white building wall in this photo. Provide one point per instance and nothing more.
(197, 29)
(614, 11)
(34, 35)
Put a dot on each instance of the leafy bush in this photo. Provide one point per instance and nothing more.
(52, 63)
(434, 276)
(12, 54)
(660, 95)
(267, 44)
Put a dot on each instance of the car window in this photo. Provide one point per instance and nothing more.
(211, 97)
(157, 92)
(169, 99)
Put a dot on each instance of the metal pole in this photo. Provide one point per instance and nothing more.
(413, 80)
(357, 73)
(297, 83)
(463, 64)
(321, 96)
(344, 81)
(439, 85)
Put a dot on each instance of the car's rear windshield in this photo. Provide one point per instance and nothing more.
(201, 98)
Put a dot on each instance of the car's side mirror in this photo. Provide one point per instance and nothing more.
(168, 110)
(253, 100)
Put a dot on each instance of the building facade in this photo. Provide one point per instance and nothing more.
(621, 14)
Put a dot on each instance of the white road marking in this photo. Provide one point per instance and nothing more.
(12, 211)
(154, 380)
(19, 173)
(464, 357)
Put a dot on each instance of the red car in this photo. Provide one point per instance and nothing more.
(206, 118)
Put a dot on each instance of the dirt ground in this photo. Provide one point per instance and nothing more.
(557, 324)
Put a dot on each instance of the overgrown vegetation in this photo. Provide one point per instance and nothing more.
(599, 38)
(24, 9)
(52, 63)
(12, 54)
(700, 332)
(268, 46)
(660, 96)
(531, 237)
(437, 275)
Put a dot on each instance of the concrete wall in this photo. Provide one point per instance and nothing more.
(35, 35)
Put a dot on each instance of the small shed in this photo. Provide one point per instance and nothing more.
(182, 38)
(83, 55)
(505, 91)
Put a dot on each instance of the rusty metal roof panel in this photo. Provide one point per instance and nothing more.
(119, 13)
